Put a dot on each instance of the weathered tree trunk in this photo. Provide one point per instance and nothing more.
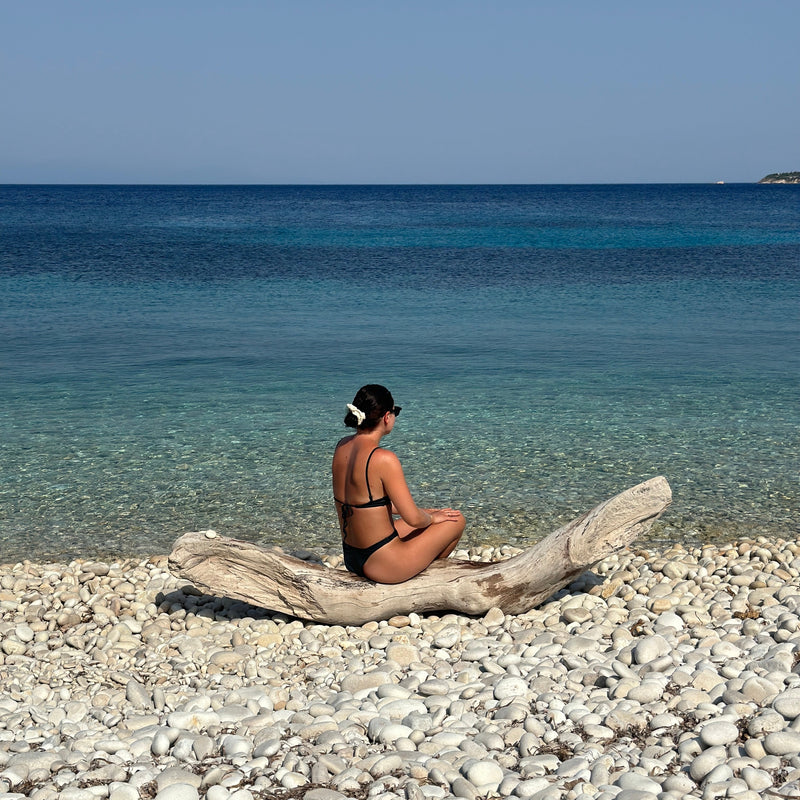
(268, 577)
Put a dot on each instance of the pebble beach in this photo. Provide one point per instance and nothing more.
(658, 674)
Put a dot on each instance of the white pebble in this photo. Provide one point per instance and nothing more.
(510, 687)
(484, 775)
(718, 732)
(649, 648)
(787, 704)
(782, 743)
(178, 791)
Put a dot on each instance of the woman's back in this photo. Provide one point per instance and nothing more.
(364, 508)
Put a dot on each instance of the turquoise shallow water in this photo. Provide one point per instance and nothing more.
(177, 358)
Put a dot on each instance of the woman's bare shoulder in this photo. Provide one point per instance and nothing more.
(382, 456)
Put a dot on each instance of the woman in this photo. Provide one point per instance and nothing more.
(369, 489)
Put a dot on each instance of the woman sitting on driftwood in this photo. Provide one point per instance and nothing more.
(370, 490)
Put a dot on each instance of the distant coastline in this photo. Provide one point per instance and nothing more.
(781, 177)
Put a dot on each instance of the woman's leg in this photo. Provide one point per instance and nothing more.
(415, 549)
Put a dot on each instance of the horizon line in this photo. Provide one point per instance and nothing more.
(356, 184)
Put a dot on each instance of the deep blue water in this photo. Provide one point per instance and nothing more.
(174, 358)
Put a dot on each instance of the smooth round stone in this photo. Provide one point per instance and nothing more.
(324, 794)
(756, 779)
(725, 650)
(669, 619)
(635, 781)
(182, 749)
(402, 654)
(598, 732)
(230, 715)
(24, 633)
(492, 741)
(227, 659)
(758, 689)
(679, 783)
(718, 732)
(178, 791)
(676, 570)
(161, 744)
(721, 774)
(312, 732)
(433, 687)
(486, 776)
(476, 653)
(665, 720)
(510, 687)
(463, 788)
(137, 695)
(447, 637)
(782, 743)
(405, 745)
(707, 761)
(516, 712)
(293, 780)
(768, 721)
(386, 765)
(646, 692)
(473, 748)
(358, 682)
(790, 789)
(397, 709)
(192, 720)
(233, 746)
(203, 747)
(649, 648)
(576, 614)
(390, 733)
(13, 647)
(448, 738)
(787, 703)
(571, 767)
(393, 690)
(177, 776)
(530, 787)
(494, 617)
(216, 792)
(267, 748)
(375, 726)
(123, 791)
(659, 605)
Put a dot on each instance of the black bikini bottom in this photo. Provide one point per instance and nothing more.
(356, 557)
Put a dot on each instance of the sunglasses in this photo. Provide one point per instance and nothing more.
(396, 410)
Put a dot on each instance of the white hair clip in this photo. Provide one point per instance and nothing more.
(357, 413)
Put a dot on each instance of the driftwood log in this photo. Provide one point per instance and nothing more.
(268, 577)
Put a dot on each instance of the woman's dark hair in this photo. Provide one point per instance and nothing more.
(373, 400)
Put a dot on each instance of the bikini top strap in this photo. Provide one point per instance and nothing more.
(366, 474)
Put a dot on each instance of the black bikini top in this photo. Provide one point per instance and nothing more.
(348, 508)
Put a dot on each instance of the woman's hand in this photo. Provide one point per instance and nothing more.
(443, 514)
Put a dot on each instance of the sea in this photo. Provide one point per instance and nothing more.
(178, 358)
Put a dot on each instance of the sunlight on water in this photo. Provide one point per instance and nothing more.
(168, 365)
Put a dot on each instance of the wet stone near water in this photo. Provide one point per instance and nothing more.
(119, 680)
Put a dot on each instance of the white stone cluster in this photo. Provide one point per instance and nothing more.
(657, 675)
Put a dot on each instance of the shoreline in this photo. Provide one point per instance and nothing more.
(660, 673)
(665, 533)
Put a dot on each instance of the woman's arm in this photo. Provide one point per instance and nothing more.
(395, 486)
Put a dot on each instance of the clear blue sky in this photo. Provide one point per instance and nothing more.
(398, 91)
